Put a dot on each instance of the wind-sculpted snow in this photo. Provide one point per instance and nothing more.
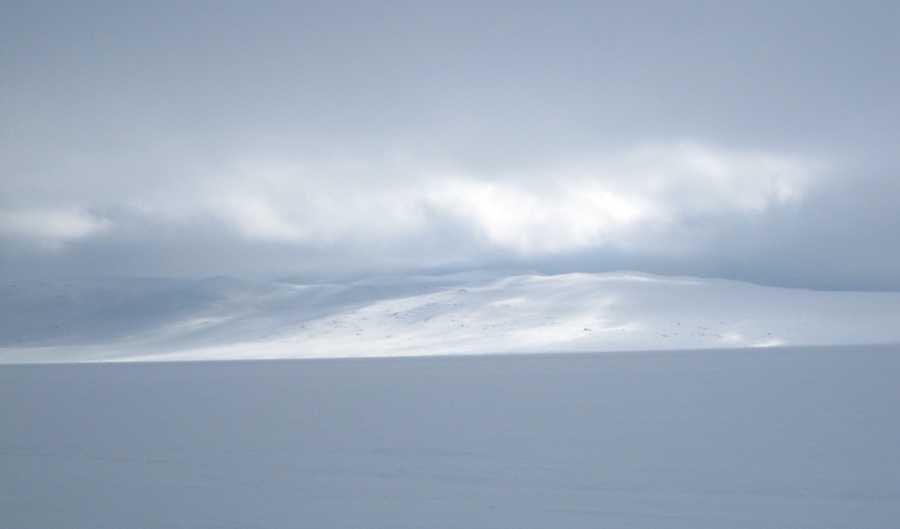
(473, 313)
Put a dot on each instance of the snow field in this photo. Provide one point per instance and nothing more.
(476, 313)
(763, 438)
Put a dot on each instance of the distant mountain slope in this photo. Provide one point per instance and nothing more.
(479, 312)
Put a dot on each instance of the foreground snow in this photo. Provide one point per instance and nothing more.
(763, 438)
(482, 312)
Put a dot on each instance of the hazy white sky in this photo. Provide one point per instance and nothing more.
(752, 140)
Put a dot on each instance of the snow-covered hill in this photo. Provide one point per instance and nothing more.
(471, 313)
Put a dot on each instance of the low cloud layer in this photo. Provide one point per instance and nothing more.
(606, 199)
(52, 229)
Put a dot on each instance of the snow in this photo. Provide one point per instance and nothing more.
(473, 313)
(763, 438)
(734, 405)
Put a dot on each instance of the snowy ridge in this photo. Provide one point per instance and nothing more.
(470, 313)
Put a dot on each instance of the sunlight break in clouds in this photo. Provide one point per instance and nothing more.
(611, 198)
(53, 228)
(617, 196)
(562, 216)
(622, 198)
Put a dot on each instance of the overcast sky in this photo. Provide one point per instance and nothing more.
(749, 140)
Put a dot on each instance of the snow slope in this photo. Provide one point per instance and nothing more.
(471, 313)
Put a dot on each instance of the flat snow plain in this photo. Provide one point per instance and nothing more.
(762, 438)
(738, 405)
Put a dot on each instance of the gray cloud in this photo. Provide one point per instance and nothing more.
(754, 141)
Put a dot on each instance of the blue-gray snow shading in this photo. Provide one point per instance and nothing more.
(768, 439)
(471, 313)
